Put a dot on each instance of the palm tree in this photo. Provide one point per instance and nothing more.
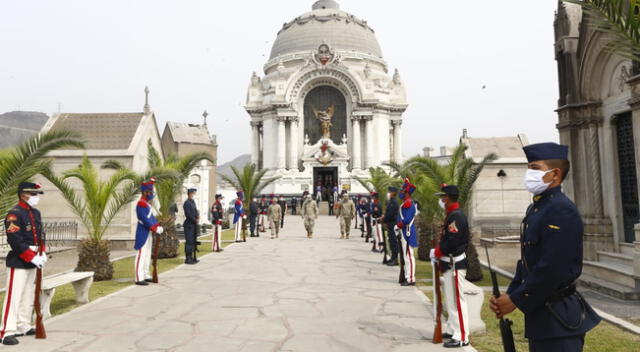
(460, 171)
(379, 182)
(618, 18)
(102, 200)
(28, 160)
(251, 181)
(168, 190)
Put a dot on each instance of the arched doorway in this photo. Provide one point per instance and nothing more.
(321, 98)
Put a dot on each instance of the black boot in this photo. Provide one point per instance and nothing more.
(393, 261)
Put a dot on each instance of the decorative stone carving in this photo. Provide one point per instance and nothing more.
(325, 54)
(343, 78)
(396, 78)
(255, 80)
(367, 71)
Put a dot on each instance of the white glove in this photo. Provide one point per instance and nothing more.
(159, 230)
(432, 254)
(34, 248)
(38, 261)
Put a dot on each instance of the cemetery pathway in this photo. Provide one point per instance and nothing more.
(289, 294)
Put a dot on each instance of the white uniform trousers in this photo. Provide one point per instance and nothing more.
(409, 261)
(377, 229)
(143, 260)
(238, 229)
(18, 301)
(458, 322)
(217, 234)
(262, 223)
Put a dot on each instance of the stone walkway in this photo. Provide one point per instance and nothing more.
(291, 294)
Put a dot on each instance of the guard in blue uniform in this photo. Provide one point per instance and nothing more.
(25, 235)
(389, 219)
(557, 317)
(147, 225)
(191, 220)
(239, 216)
(406, 224)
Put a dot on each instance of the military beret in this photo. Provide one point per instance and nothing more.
(546, 151)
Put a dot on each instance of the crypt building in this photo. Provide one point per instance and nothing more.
(599, 118)
(327, 107)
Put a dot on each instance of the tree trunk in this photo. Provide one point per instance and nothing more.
(93, 255)
(169, 241)
(474, 270)
(425, 231)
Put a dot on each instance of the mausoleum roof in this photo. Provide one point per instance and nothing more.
(102, 130)
(190, 133)
(326, 23)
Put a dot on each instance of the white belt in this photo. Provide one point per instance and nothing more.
(459, 258)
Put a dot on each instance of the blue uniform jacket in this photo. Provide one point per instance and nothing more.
(146, 223)
(24, 229)
(239, 211)
(551, 259)
(406, 216)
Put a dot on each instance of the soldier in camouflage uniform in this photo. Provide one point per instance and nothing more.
(346, 212)
(309, 213)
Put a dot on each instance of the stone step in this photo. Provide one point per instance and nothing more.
(609, 288)
(323, 208)
(617, 259)
(618, 274)
(627, 249)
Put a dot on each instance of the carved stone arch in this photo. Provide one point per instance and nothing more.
(603, 74)
(307, 80)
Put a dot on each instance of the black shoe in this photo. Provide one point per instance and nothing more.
(10, 340)
(190, 261)
(455, 343)
(31, 332)
(392, 262)
(142, 283)
(149, 280)
(406, 283)
(446, 336)
(220, 250)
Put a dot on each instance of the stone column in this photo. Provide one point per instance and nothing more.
(255, 142)
(594, 155)
(281, 158)
(397, 141)
(293, 144)
(369, 143)
(355, 127)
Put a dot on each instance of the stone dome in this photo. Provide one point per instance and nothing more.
(326, 23)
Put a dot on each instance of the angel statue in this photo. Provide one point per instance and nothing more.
(325, 117)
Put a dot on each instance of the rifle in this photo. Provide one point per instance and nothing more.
(385, 238)
(505, 324)
(437, 296)
(402, 276)
(40, 331)
(156, 253)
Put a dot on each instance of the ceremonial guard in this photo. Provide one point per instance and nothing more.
(309, 213)
(449, 254)
(264, 208)
(376, 215)
(406, 223)
(217, 213)
(283, 207)
(25, 236)
(191, 221)
(147, 225)
(274, 215)
(254, 213)
(366, 216)
(346, 212)
(556, 316)
(390, 219)
(239, 216)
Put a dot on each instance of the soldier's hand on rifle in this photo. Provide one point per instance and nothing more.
(502, 305)
(159, 230)
(38, 261)
(400, 225)
(432, 255)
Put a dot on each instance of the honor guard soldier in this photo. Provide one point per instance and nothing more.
(25, 235)
(406, 223)
(449, 254)
(191, 221)
(376, 215)
(254, 213)
(390, 219)
(309, 213)
(147, 225)
(238, 216)
(217, 213)
(556, 316)
(264, 209)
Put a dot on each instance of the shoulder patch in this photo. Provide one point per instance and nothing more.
(13, 228)
(11, 218)
(453, 228)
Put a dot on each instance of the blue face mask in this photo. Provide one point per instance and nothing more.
(401, 195)
(150, 196)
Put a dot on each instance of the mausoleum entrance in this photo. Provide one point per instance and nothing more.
(326, 178)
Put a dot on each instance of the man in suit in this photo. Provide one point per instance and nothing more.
(191, 221)
(283, 209)
(254, 212)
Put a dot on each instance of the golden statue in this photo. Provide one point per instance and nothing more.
(325, 117)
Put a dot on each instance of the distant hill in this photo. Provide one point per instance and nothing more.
(16, 126)
(238, 162)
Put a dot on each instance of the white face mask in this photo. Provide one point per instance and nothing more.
(33, 201)
(533, 181)
(441, 203)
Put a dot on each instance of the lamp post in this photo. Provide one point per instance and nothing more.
(502, 174)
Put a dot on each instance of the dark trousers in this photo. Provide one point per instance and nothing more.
(367, 223)
(282, 221)
(293, 210)
(253, 219)
(330, 208)
(393, 241)
(564, 344)
(190, 238)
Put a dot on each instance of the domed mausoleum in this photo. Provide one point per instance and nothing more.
(327, 107)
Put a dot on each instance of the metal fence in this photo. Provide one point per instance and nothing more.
(58, 234)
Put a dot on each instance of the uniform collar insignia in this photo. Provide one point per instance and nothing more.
(547, 193)
(24, 205)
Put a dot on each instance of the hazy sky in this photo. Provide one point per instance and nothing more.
(97, 56)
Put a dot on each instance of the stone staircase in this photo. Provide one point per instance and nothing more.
(612, 274)
(323, 208)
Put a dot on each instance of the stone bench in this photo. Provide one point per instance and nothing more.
(81, 282)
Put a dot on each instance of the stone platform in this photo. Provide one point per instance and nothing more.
(289, 294)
